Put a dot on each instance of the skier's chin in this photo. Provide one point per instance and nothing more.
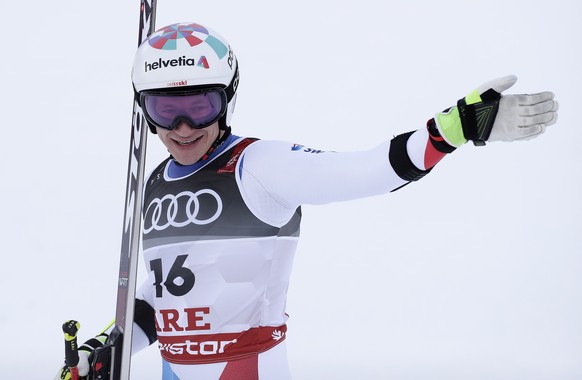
(183, 159)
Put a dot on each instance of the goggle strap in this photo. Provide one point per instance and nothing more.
(233, 85)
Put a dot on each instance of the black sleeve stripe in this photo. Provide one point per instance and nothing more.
(400, 160)
(144, 317)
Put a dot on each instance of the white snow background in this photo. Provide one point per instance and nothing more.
(475, 272)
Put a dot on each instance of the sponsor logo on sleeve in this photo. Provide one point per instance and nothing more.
(302, 148)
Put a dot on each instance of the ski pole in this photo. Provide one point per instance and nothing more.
(70, 328)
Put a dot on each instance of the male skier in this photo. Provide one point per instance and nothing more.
(222, 212)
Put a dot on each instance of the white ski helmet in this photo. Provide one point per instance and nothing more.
(186, 57)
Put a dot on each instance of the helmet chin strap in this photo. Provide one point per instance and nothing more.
(218, 142)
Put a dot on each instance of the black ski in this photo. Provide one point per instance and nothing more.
(120, 338)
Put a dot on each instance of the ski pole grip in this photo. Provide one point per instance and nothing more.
(70, 328)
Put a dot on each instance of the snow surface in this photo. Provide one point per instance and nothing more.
(472, 273)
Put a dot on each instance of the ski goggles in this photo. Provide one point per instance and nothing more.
(199, 109)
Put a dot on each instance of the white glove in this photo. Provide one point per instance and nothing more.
(486, 115)
(523, 117)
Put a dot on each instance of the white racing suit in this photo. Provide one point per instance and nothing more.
(219, 240)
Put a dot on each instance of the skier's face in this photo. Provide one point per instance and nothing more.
(186, 144)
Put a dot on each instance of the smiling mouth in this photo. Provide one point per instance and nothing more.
(189, 142)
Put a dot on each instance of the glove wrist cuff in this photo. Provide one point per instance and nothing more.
(450, 127)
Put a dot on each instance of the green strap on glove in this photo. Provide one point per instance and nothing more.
(486, 115)
(472, 119)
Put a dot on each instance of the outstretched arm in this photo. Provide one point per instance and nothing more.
(483, 115)
(276, 177)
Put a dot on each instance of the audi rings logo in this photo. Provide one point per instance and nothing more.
(199, 208)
